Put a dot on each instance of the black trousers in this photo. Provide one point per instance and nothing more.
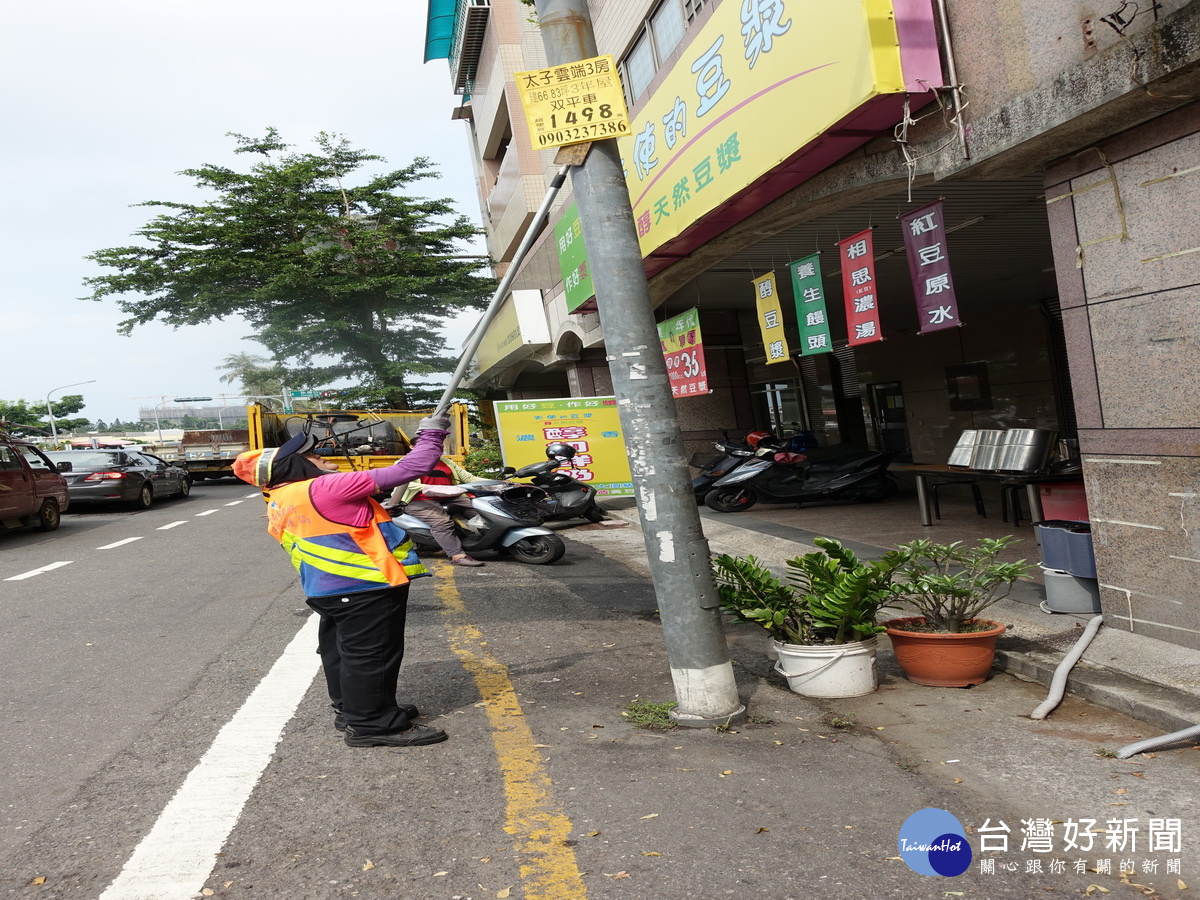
(361, 643)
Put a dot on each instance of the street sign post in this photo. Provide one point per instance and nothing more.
(298, 395)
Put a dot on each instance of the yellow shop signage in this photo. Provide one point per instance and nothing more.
(782, 88)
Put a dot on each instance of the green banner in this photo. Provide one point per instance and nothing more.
(811, 315)
(572, 259)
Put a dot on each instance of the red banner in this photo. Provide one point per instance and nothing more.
(858, 288)
(929, 265)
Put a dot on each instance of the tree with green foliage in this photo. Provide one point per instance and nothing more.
(23, 418)
(339, 281)
(259, 377)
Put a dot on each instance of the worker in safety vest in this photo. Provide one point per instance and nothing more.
(355, 564)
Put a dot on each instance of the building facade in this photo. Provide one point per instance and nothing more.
(1056, 144)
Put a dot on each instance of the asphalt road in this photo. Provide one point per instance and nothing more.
(166, 734)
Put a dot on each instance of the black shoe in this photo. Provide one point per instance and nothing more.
(414, 736)
(339, 720)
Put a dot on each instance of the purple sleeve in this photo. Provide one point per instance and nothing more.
(342, 497)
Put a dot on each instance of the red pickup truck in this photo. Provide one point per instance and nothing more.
(32, 492)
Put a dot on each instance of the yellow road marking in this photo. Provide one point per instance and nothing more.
(549, 870)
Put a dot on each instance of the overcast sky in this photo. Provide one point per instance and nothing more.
(103, 103)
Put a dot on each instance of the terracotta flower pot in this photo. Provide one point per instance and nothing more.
(940, 659)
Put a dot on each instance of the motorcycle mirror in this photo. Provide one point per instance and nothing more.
(507, 471)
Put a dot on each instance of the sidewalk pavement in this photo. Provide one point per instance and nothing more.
(1150, 680)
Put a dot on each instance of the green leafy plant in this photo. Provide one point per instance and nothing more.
(841, 593)
(751, 592)
(837, 720)
(950, 585)
(832, 598)
(645, 714)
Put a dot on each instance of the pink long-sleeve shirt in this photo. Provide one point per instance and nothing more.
(343, 496)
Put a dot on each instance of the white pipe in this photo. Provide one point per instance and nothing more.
(1154, 743)
(1058, 684)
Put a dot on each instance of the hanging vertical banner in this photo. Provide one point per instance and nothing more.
(683, 350)
(770, 319)
(929, 266)
(811, 313)
(858, 288)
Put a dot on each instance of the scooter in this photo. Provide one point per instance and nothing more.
(503, 517)
(831, 473)
(713, 467)
(567, 497)
(731, 455)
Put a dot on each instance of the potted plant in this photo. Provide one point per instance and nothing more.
(822, 623)
(950, 586)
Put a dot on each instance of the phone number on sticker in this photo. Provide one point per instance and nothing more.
(583, 132)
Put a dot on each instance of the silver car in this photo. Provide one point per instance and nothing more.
(124, 476)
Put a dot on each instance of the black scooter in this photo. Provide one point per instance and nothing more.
(715, 466)
(826, 473)
(567, 497)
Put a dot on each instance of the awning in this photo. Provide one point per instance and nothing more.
(439, 29)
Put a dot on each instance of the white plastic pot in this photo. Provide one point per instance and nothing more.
(829, 670)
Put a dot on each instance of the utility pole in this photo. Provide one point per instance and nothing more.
(675, 545)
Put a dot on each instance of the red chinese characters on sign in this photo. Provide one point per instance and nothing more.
(929, 266)
(858, 288)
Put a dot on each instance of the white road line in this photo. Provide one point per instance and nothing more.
(234, 503)
(171, 525)
(33, 572)
(255, 494)
(207, 512)
(119, 543)
(173, 861)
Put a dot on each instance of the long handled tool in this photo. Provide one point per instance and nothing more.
(502, 288)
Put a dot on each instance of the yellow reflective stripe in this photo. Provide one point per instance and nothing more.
(337, 562)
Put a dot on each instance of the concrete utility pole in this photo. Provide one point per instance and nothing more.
(677, 551)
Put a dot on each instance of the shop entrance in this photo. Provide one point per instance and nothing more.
(888, 419)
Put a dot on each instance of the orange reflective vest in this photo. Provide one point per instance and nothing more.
(335, 558)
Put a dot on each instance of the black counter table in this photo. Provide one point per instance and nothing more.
(1030, 481)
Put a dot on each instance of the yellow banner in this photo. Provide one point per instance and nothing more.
(758, 82)
(589, 424)
(770, 319)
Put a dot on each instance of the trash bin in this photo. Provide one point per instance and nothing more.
(1067, 547)
(1067, 593)
(1064, 500)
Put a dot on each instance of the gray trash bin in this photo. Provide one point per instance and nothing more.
(1067, 547)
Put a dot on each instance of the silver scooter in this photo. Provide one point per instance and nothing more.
(501, 516)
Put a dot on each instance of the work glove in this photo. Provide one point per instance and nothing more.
(434, 423)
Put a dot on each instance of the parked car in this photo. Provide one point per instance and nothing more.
(126, 476)
(32, 492)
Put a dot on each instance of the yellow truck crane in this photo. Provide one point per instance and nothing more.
(355, 439)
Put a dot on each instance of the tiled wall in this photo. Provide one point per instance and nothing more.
(1134, 342)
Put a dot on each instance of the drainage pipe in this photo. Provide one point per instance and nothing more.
(1155, 743)
(1058, 684)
